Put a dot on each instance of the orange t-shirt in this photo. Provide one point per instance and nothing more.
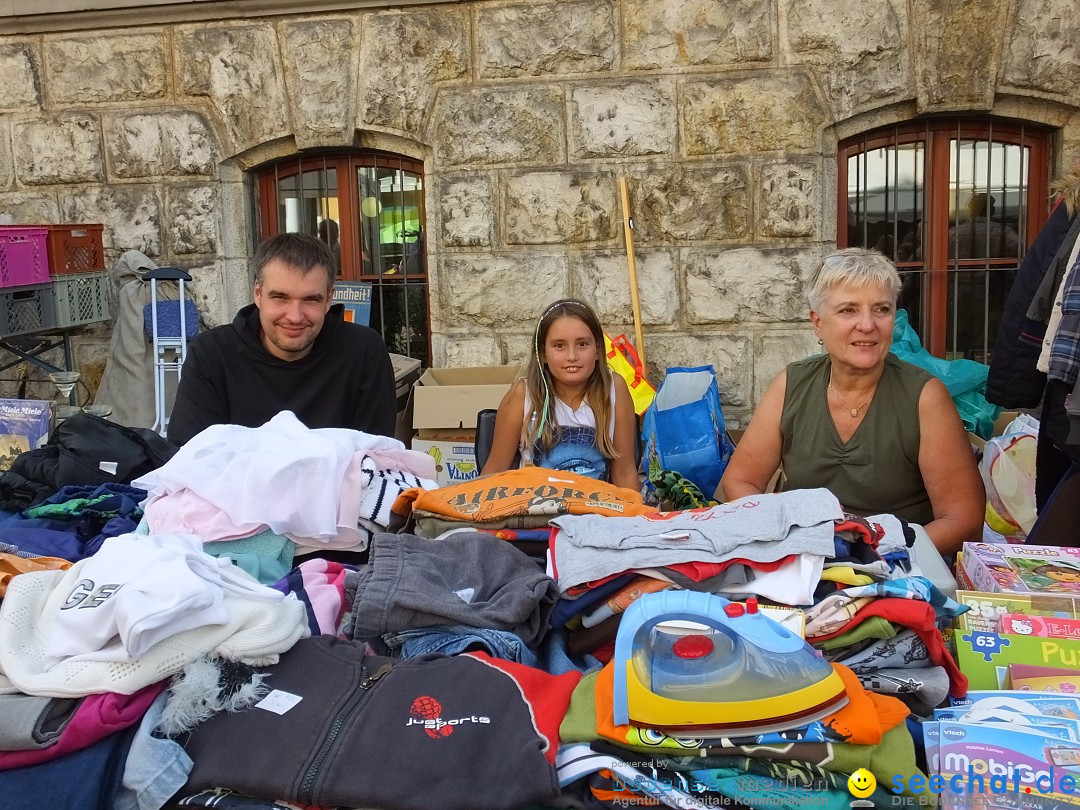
(528, 491)
(12, 564)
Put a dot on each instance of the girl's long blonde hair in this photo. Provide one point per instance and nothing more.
(540, 424)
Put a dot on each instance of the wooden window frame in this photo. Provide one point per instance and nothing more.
(346, 165)
(937, 136)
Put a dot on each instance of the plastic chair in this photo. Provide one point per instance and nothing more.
(169, 324)
(485, 434)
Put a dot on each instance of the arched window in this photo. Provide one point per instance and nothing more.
(955, 203)
(369, 207)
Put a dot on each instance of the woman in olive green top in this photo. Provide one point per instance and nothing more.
(880, 434)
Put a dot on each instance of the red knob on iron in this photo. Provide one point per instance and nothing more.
(734, 609)
(692, 647)
(751, 605)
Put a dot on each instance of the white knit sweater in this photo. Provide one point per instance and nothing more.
(255, 633)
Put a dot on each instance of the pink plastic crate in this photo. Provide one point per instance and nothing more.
(23, 258)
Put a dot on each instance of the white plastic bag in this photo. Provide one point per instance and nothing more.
(1008, 473)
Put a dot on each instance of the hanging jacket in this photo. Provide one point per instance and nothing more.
(1014, 381)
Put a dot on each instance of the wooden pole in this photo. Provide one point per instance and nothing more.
(631, 261)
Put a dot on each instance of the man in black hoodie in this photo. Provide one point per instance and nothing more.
(290, 350)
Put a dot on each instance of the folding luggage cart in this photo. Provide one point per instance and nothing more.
(169, 324)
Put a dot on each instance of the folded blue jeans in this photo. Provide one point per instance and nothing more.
(455, 639)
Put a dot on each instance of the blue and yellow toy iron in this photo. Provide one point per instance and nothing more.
(696, 664)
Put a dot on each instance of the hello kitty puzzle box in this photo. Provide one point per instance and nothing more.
(1010, 568)
(984, 651)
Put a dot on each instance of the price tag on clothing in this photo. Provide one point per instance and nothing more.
(278, 702)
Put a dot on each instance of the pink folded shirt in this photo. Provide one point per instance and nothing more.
(97, 717)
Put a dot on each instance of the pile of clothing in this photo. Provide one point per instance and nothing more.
(315, 589)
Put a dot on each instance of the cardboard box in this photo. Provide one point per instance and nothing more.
(454, 454)
(449, 398)
(984, 655)
(1022, 569)
(445, 402)
(24, 425)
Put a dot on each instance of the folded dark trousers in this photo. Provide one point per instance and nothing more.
(469, 578)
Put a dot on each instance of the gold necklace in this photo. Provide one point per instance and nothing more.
(853, 411)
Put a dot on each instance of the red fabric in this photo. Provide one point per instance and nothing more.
(697, 571)
(920, 617)
(701, 571)
(860, 528)
(548, 695)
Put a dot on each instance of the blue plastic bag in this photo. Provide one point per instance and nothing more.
(965, 379)
(683, 429)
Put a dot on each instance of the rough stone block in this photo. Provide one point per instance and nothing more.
(238, 283)
(237, 221)
(790, 200)
(508, 125)
(957, 53)
(193, 216)
(744, 285)
(172, 144)
(546, 38)
(403, 58)
(774, 350)
(859, 50)
(676, 203)
(602, 280)
(457, 350)
(775, 111)
(561, 208)
(1043, 51)
(466, 208)
(30, 207)
(131, 215)
(498, 290)
(728, 354)
(518, 348)
(207, 283)
(681, 33)
(91, 355)
(115, 67)
(65, 149)
(321, 83)
(20, 67)
(623, 120)
(7, 163)
(237, 68)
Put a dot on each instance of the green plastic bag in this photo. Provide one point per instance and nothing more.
(965, 379)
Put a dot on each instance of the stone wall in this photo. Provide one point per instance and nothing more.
(724, 117)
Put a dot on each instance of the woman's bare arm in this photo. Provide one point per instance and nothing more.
(949, 471)
(757, 455)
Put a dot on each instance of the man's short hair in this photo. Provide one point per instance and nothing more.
(298, 250)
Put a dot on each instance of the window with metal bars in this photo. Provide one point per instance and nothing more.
(955, 203)
(368, 206)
